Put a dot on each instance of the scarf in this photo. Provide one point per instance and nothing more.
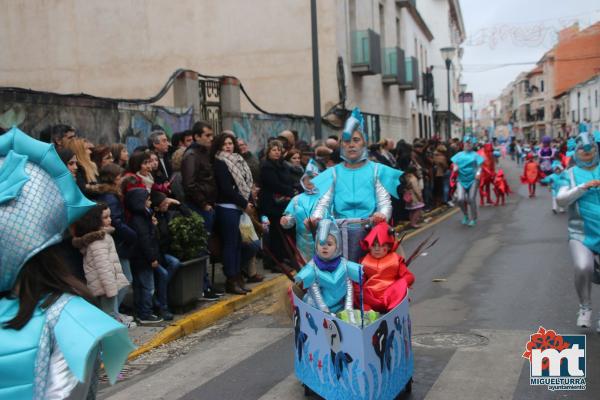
(239, 170)
(148, 181)
(327, 265)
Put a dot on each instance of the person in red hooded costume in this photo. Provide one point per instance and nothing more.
(488, 173)
(386, 277)
(531, 174)
(501, 188)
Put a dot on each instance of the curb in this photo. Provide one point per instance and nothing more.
(205, 317)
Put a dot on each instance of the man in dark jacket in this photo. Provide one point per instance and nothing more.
(199, 183)
(197, 174)
(159, 143)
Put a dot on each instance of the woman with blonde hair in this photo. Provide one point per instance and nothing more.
(87, 172)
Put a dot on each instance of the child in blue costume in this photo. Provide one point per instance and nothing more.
(328, 276)
(468, 165)
(553, 180)
(357, 190)
(579, 189)
(299, 209)
(50, 337)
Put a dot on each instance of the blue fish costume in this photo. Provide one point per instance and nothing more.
(300, 208)
(329, 281)
(55, 354)
(554, 181)
(468, 165)
(355, 189)
(578, 192)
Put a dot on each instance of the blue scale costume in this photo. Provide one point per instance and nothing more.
(353, 195)
(468, 164)
(55, 355)
(299, 209)
(584, 224)
(554, 181)
(330, 290)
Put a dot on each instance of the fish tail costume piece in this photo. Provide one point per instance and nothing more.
(355, 194)
(386, 279)
(468, 165)
(329, 281)
(300, 208)
(55, 354)
(583, 210)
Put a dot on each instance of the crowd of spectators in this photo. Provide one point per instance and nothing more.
(219, 178)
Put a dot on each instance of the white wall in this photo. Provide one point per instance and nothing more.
(129, 48)
(588, 106)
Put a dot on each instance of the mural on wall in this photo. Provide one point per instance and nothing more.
(99, 120)
(255, 129)
(137, 122)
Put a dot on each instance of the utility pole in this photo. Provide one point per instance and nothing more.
(315, 71)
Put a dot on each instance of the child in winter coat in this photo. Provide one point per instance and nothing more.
(101, 265)
(531, 174)
(386, 276)
(413, 196)
(145, 256)
(553, 180)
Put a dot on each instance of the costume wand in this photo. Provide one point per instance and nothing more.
(360, 295)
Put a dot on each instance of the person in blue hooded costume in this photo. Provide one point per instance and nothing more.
(554, 181)
(328, 276)
(300, 209)
(467, 165)
(357, 190)
(51, 339)
(579, 190)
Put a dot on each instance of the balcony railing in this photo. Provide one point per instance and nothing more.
(411, 74)
(366, 53)
(393, 66)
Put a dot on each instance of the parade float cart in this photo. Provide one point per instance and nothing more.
(336, 360)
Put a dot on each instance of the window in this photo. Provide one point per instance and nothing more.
(352, 12)
(398, 41)
(382, 24)
(573, 116)
(596, 99)
(542, 86)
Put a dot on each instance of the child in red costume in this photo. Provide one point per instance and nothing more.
(501, 187)
(531, 174)
(386, 277)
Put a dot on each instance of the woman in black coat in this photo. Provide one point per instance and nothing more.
(234, 192)
(276, 192)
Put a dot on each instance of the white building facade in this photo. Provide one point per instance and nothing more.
(373, 53)
(584, 105)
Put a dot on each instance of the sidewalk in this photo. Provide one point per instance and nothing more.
(207, 313)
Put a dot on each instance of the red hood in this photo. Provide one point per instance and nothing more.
(384, 235)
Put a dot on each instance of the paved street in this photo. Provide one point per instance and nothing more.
(501, 281)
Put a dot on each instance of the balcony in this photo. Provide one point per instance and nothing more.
(411, 74)
(393, 66)
(366, 53)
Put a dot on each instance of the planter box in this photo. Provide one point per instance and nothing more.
(187, 284)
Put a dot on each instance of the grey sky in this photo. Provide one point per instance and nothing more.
(513, 31)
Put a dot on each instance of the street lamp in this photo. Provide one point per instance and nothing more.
(448, 55)
(463, 89)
